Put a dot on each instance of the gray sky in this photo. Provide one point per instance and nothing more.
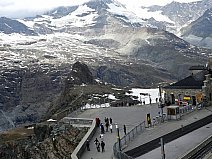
(26, 8)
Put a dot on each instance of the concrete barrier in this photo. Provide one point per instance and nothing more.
(81, 146)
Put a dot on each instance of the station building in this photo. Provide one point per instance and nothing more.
(193, 90)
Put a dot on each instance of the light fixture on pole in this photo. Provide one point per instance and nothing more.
(161, 103)
(118, 137)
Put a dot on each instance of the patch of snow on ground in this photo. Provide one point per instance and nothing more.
(152, 93)
(29, 24)
(110, 96)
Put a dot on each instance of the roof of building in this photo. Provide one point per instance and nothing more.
(190, 82)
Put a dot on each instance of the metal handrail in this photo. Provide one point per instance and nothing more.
(125, 140)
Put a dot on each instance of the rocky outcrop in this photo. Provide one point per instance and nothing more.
(79, 76)
(58, 146)
(26, 93)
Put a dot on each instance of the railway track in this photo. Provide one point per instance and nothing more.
(200, 151)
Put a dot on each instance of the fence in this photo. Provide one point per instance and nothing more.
(117, 147)
(81, 146)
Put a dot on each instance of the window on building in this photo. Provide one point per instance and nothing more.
(171, 111)
(210, 97)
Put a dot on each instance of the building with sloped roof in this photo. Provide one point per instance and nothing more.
(193, 89)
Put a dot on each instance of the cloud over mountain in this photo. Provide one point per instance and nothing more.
(22, 8)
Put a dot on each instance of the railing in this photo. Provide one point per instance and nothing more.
(81, 146)
(83, 121)
(125, 140)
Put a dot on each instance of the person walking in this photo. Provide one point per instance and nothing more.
(125, 130)
(111, 121)
(106, 120)
(107, 125)
(102, 128)
(96, 141)
(103, 146)
(111, 128)
(98, 146)
(97, 122)
(88, 145)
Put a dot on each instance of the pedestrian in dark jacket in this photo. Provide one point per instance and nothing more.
(88, 145)
(102, 128)
(96, 141)
(103, 146)
(107, 125)
(111, 121)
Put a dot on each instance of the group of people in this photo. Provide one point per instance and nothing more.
(108, 125)
(97, 143)
(100, 144)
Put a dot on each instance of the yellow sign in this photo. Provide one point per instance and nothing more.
(186, 98)
(148, 119)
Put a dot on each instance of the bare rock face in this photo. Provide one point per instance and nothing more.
(26, 93)
(80, 74)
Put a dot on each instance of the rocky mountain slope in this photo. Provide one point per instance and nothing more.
(104, 35)
(9, 26)
(182, 14)
(40, 143)
(199, 32)
(171, 17)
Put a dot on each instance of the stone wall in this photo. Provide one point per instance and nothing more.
(180, 93)
(207, 89)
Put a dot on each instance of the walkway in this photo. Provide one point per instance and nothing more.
(132, 116)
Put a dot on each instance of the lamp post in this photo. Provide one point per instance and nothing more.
(161, 104)
(118, 137)
(162, 148)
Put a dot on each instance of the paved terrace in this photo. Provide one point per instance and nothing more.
(132, 116)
